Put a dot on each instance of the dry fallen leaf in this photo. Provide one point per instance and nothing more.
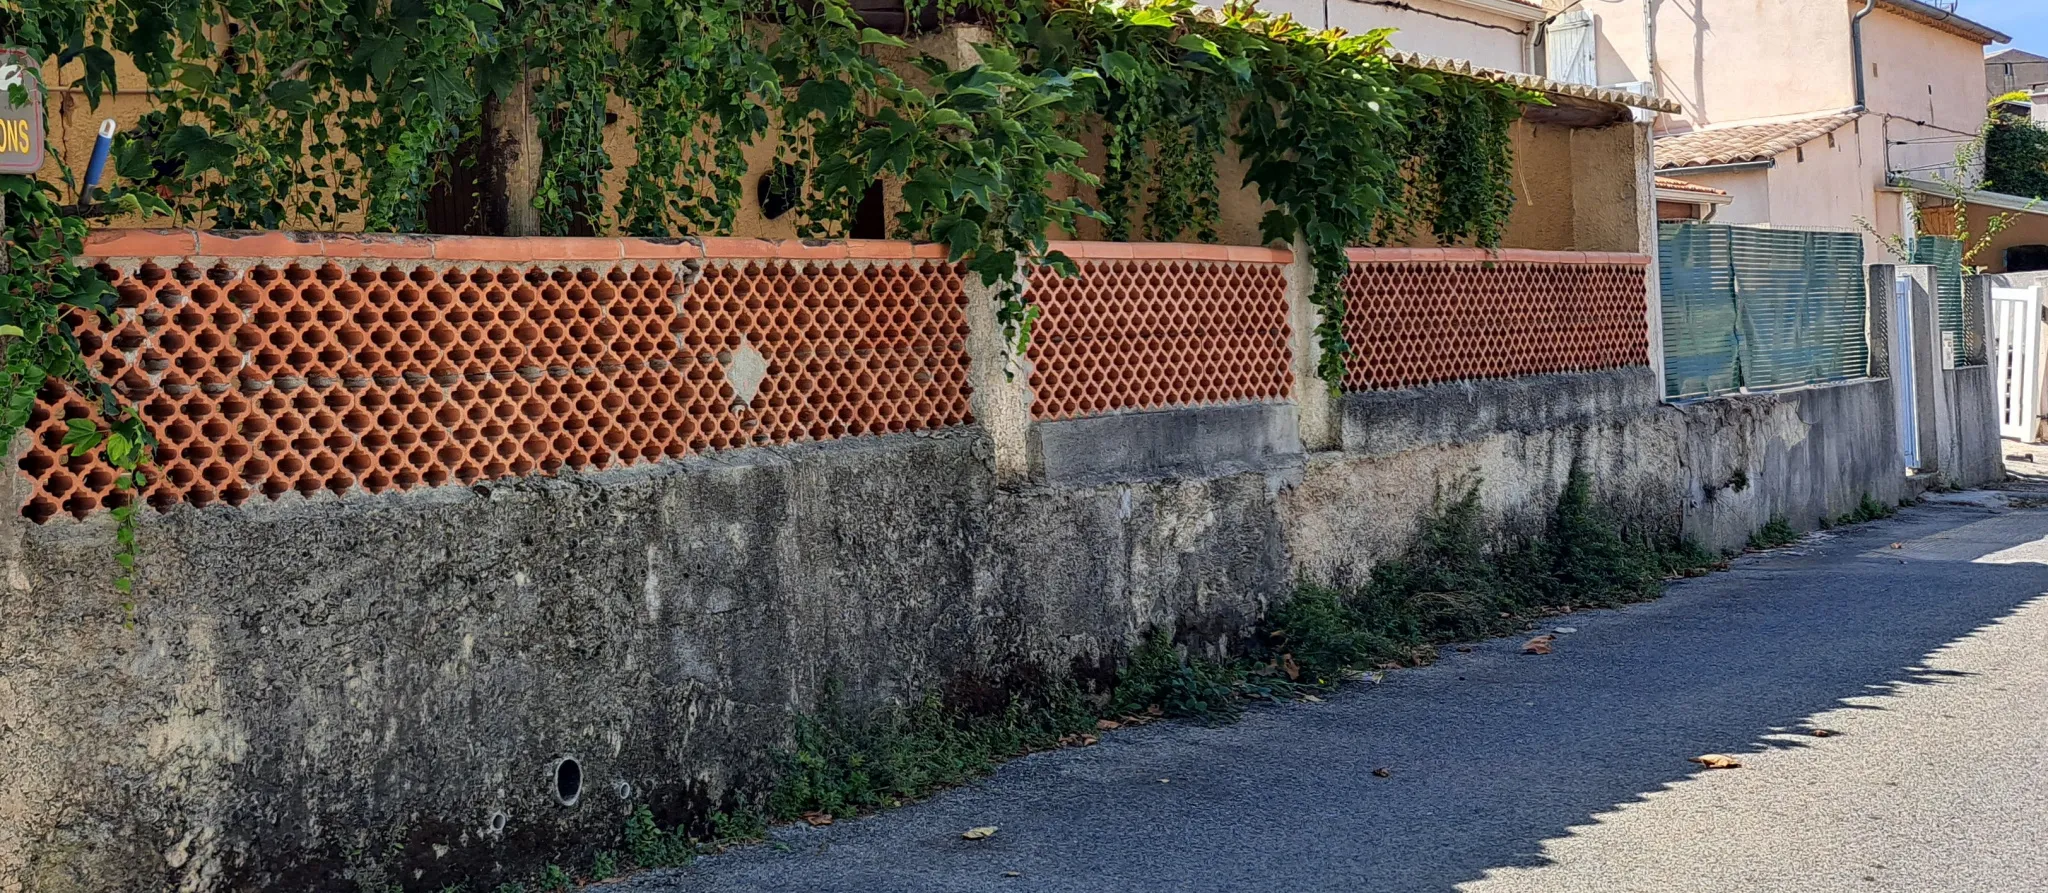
(1013, 874)
(1464, 649)
(1538, 645)
(1381, 772)
(1312, 699)
(1822, 733)
(1390, 665)
(1717, 761)
(1898, 545)
(982, 833)
(1104, 725)
(1155, 710)
(818, 818)
(1293, 669)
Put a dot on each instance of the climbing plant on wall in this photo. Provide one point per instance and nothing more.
(342, 114)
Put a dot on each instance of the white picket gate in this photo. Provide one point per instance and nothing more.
(2016, 354)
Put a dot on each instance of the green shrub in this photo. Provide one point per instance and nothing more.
(844, 766)
(1777, 533)
(650, 847)
(1158, 675)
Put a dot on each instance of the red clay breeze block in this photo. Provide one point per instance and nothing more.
(342, 377)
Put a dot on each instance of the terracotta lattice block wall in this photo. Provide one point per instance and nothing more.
(1417, 316)
(371, 366)
(1148, 326)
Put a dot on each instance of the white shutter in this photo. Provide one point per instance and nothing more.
(1573, 54)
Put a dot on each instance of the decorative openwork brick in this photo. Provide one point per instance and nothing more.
(1165, 325)
(311, 373)
(1417, 316)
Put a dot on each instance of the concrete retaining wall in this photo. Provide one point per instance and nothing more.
(344, 694)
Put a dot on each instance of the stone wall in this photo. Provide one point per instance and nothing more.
(375, 689)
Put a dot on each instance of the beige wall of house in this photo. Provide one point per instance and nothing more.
(1729, 61)
(1914, 73)
(1446, 28)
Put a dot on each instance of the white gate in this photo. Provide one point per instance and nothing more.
(2016, 346)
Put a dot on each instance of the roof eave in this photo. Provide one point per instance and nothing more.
(1726, 167)
(1689, 197)
(1905, 183)
(1943, 19)
(1510, 9)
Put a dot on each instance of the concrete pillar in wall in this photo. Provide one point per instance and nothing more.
(1930, 392)
(1002, 384)
(1614, 199)
(1614, 173)
(1877, 323)
(1320, 416)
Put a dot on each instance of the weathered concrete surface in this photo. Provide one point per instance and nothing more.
(1808, 456)
(1565, 773)
(1208, 441)
(1977, 457)
(347, 693)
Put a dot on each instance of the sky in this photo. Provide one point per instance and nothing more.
(2025, 20)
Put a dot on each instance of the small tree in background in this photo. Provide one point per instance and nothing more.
(2015, 151)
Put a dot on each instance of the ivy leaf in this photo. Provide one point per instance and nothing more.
(82, 435)
(974, 182)
(869, 36)
(1119, 65)
(11, 331)
(201, 151)
(1151, 17)
(948, 118)
(292, 96)
(197, 77)
(1196, 43)
(99, 73)
(828, 97)
(120, 449)
(962, 236)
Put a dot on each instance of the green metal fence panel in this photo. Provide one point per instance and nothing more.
(1745, 307)
(1946, 256)
(1800, 300)
(1697, 281)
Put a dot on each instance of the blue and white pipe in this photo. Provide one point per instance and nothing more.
(98, 168)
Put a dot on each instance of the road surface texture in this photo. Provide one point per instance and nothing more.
(1566, 772)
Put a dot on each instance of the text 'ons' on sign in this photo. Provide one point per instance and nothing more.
(21, 124)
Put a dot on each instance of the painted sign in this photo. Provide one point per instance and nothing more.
(21, 126)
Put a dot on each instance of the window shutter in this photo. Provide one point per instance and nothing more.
(1572, 51)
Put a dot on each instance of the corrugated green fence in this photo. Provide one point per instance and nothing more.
(1946, 256)
(1760, 308)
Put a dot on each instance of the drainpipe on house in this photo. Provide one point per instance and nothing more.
(1650, 46)
(1856, 50)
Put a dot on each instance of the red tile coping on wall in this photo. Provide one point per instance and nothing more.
(182, 243)
(1501, 255)
(1171, 251)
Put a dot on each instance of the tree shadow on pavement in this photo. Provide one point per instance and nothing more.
(1488, 754)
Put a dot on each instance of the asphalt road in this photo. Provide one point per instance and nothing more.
(1565, 772)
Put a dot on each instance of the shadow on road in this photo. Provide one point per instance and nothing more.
(1488, 753)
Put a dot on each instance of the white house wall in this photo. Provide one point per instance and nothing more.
(1429, 27)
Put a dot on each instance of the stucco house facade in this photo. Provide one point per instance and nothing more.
(1496, 34)
(1814, 114)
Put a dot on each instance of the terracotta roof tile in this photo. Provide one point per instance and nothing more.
(1745, 142)
(1683, 186)
(1534, 82)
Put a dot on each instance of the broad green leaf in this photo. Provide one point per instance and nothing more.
(869, 36)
